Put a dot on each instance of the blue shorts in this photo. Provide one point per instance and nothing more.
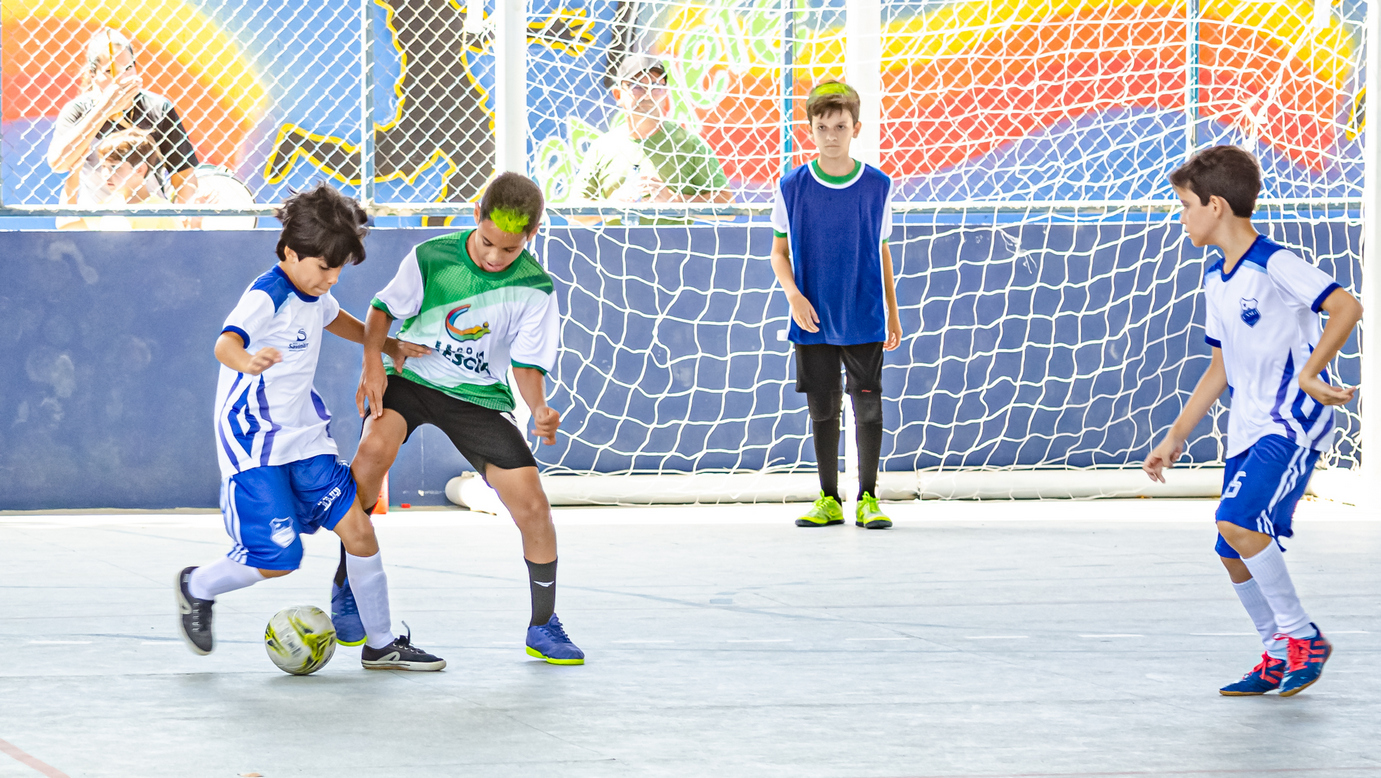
(1261, 487)
(266, 508)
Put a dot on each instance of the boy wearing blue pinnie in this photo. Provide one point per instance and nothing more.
(831, 220)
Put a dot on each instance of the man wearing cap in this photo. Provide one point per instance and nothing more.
(645, 158)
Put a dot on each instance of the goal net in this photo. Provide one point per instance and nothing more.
(1050, 301)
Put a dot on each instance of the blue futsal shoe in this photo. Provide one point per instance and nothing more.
(1263, 678)
(1305, 664)
(549, 641)
(345, 615)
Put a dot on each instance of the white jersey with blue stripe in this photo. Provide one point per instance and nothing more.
(276, 417)
(1264, 315)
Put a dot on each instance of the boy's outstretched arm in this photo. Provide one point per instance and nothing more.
(1209, 389)
(373, 380)
(348, 327)
(532, 386)
(230, 350)
(802, 312)
(1344, 311)
(889, 289)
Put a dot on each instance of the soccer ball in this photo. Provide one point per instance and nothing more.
(300, 640)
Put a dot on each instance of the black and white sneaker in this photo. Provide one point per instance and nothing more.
(194, 619)
(401, 654)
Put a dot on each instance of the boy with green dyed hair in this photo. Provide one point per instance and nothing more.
(482, 303)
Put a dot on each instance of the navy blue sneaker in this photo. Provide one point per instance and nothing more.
(1305, 662)
(549, 641)
(345, 615)
(1263, 678)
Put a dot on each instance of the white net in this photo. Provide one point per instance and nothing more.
(1034, 339)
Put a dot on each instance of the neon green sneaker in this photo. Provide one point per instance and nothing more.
(868, 515)
(824, 512)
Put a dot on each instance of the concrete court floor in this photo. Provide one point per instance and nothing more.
(975, 639)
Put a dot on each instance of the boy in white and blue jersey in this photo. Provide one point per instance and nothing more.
(1271, 356)
(831, 220)
(282, 475)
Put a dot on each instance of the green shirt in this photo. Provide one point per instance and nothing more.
(681, 159)
(475, 322)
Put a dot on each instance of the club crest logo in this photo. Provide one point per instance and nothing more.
(300, 343)
(1250, 314)
(469, 333)
(281, 531)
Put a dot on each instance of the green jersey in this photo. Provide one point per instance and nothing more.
(475, 322)
(681, 159)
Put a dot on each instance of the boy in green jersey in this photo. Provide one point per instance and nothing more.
(483, 304)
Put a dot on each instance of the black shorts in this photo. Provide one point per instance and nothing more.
(817, 367)
(482, 435)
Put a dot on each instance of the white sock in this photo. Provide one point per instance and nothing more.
(1268, 570)
(223, 575)
(1249, 592)
(370, 585)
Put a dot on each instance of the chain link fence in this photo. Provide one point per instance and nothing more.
(1018, 102)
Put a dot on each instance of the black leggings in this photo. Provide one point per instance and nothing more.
(825, 420)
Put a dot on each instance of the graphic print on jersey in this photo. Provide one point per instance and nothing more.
(476, 323)
(1250, 314)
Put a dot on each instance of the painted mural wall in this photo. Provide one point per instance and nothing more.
(984, 99)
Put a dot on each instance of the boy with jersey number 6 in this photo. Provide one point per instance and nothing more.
(831, 220)
(282, 477)
(1263, 303)
(483, 304)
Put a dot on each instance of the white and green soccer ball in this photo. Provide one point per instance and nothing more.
(300, 640)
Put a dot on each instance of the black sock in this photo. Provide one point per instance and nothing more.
(824, 423)
(868, 435)
(340, 571)
(541, 579)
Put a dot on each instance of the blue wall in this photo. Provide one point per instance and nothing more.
(1025, 345)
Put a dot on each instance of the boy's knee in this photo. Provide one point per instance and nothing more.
(868, 407)
(356, 533)
(1245, 542)
(273, 573)
(531, 511)
(823, 406)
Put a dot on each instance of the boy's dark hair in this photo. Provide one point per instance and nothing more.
(830, 96)
(321, 222)
(514, 203)
(1229, 172)
(133, 146)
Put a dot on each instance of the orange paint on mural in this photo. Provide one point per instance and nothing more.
(42, 68)
(944, 111)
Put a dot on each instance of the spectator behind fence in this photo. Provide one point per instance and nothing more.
(128, 161)
(645, 158)
(113, 99)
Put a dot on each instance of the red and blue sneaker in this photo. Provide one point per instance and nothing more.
(345, 615)
(1263, 678)
(1305, 662)
(549, 641)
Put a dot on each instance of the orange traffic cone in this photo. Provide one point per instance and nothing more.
(381, 507)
